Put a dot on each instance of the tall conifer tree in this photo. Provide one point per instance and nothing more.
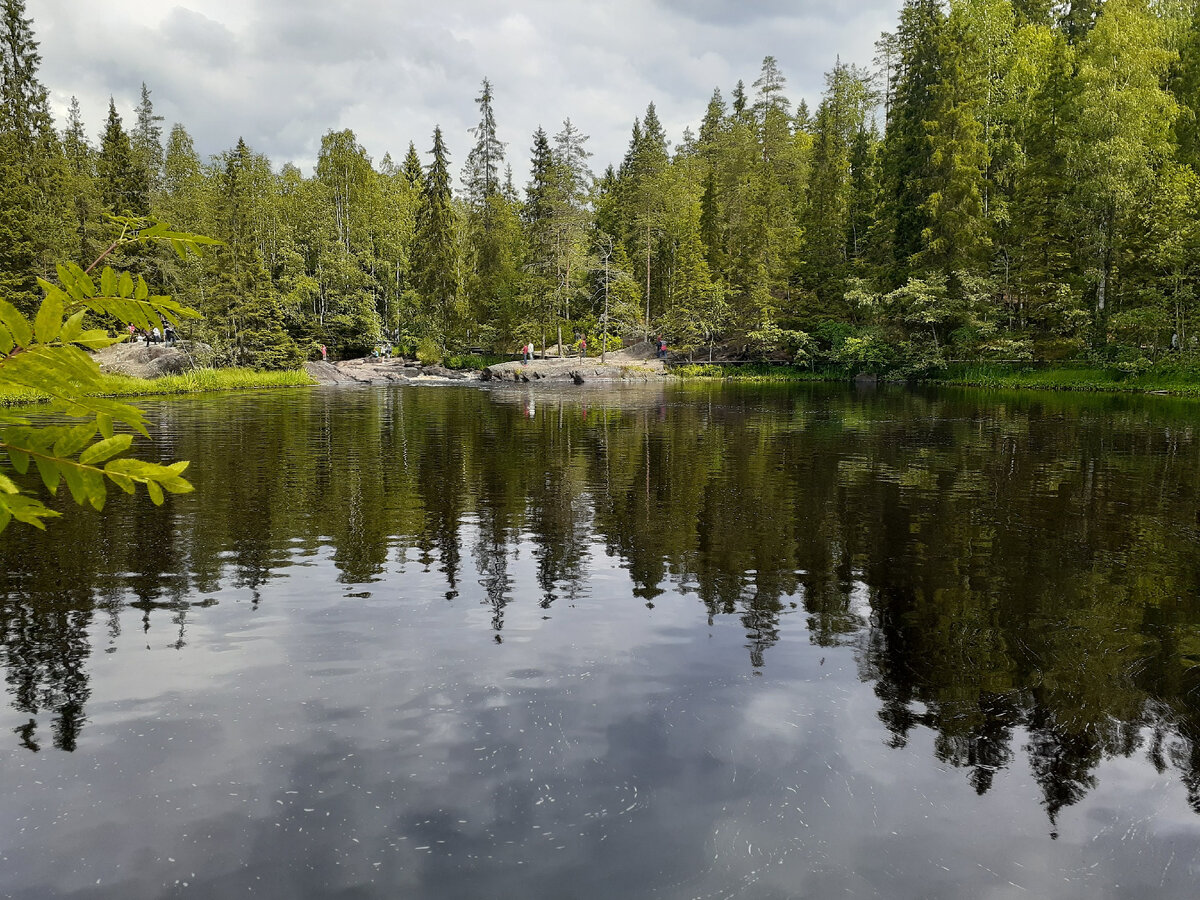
(436, 251)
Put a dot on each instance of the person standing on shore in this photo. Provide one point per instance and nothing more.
(582, 347)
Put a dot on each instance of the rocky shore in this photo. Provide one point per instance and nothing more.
(634, 364)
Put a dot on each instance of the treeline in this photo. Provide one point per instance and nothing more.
(1011, 179)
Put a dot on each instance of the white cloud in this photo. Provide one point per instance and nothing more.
(281, 74)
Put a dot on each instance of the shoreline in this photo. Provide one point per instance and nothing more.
(589, 372)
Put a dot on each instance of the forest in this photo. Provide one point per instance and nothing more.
(1011, 180)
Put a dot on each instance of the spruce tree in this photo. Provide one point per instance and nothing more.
(24, 100)
(124, 189)
(37, 224)
(713, 123)
(956, 236)
(146, 142)
(244, 306)
(435, 261)
(80, 159)
(411, 168)
(539, 208)
(907, 151)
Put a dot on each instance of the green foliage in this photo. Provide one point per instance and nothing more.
(46, 357)
(429, 352)
(1030, 189)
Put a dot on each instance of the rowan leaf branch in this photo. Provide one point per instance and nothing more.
(49, 356)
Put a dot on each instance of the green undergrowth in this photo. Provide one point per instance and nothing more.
(752, 372)
(1074, 377)
(471, 362)
(198, 381)
(1165, 377)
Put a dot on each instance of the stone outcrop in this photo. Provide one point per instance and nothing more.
(633, 364)
(370, 370)
(143, 360)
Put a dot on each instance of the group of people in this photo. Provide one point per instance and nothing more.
(153, 335)
(660, 348)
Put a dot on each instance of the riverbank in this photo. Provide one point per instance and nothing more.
(197, 381)
(1175, 381)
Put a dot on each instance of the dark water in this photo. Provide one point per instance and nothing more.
(744, 642)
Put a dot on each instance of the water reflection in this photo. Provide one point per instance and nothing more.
(1014, 575)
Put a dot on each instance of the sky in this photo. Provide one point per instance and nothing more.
(282, 73)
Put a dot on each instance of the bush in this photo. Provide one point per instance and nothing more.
(429, 352)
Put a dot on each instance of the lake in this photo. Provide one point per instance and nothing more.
(695, 642)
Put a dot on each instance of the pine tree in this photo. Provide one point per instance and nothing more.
(481, 175)
(435, 261)
(770, 84)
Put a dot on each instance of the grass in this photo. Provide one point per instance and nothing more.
(471, 362)
(1165, 378)
(753, 372)
(1073, 377)
(198, 381)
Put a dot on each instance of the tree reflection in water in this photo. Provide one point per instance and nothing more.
(1015, 573)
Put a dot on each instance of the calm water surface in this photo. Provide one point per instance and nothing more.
(709, 642)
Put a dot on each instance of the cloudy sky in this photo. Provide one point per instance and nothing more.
(282, 73)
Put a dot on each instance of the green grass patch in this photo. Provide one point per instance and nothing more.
(475, 363)
(1072, 377)
(198, 381)
(753, 372)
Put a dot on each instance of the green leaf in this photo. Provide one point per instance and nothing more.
(49, 319)
(72, 327)
(16, 324)
(50, 473)
(67, 278)
(108, 281)
(74, 440)
(20, 459)
(71, 475)
(6, 341)
(7, 485)
(105, 449)
(156, 494)
(142, 291)
(105, 423)
(125, 285)
(124, 482)
(84, 280)
(23, 509)
(94, 488)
